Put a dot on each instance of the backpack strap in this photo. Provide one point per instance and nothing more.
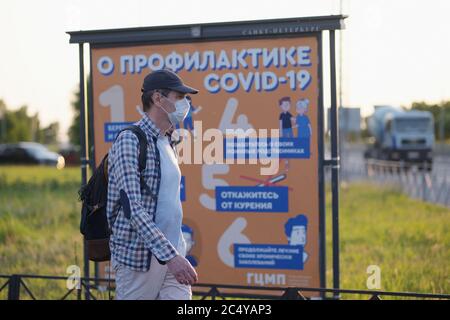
(174, 139)
(142, 161)
(142, 145)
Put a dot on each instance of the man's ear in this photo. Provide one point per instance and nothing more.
(156, 98)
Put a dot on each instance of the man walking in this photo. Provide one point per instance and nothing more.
(147, 245)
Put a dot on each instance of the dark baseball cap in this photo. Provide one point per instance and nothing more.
(165, 79)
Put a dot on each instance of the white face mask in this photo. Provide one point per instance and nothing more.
(181, 110)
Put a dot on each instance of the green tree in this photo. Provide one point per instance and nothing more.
(74, 130)
(49, 134)
(2, 121)
(17, 125)
(441, 114)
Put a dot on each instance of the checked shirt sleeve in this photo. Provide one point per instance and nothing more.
(126, 173)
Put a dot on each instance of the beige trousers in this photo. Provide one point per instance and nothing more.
(156, 284)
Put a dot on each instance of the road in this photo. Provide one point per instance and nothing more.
(431, 186)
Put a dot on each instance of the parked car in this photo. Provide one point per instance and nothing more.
(30, 153)
(70, 153)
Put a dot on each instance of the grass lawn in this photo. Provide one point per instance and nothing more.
(39, 216)
(409, 240)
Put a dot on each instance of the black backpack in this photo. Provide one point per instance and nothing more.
(94, 221)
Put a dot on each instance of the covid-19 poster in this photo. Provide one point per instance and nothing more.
(250, 217)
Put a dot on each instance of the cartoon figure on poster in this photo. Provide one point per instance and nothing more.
(295, 230)
(188, 235)
(302, 122)
(286, 118)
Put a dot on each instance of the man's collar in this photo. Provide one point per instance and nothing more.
(149, 127)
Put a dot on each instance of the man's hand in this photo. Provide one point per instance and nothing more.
(180, 267)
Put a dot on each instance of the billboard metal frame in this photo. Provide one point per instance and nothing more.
(258, 29)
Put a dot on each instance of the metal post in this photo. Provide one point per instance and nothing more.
(90, 138)
(343, 130)
(424, 184)
(83, 154)
(336, 162)
(322, 220)
(14, 287)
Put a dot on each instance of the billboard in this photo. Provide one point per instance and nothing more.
(251, 204)
(349, 120)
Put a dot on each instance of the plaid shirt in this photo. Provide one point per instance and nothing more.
(135, 239)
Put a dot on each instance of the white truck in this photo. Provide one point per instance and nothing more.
(405, 136)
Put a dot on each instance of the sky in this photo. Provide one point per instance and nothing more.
(393, 52)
